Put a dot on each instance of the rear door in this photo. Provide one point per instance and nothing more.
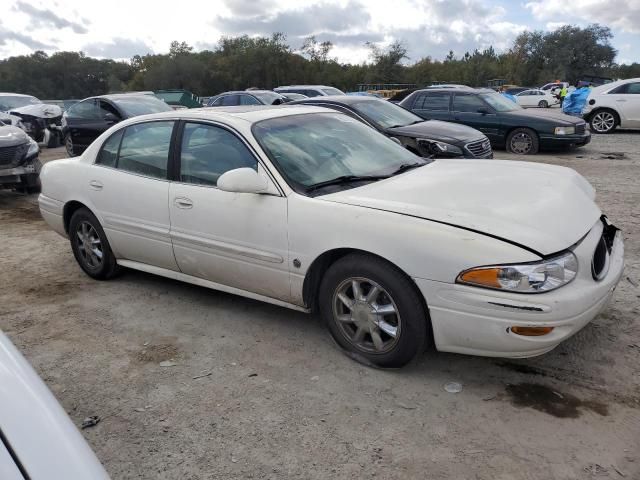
(432, 105)
(471, 110)
(82, 121)
(627, 102)
(129, 187)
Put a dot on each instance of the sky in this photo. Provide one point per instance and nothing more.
(120, 29)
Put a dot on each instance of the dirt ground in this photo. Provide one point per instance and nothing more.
(258, 391)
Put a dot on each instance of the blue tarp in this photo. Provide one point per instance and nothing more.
(510, 97)
(575, 101)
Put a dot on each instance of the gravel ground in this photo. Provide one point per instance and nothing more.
(276, 399)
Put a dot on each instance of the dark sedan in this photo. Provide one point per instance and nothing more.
(86, 120)
(424, 138)
(247, 97)
(505, 123)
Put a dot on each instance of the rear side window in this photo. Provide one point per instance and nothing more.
(108, 155)
(433, 101)
(230, 100)
(248, 100)
(208, 151)
(145, 149)
(467, 103)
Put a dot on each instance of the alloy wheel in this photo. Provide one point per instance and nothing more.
(89, 245)
(521, 143)
(603, 122)
(366, 315)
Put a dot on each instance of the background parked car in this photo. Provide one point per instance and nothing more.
(425, 138)
(247, 97)
(293, 96)
(535, 98)
(178, 98)
(613, 105)
(310, 90)
(504, 122)
(40, 120)
(37, 439)
(86, 120)
(19, 164)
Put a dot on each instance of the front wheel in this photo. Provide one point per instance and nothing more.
(68, 145)
(90, 246)
(373, 310)
(604, 121)
(543, 104)
(523, 141)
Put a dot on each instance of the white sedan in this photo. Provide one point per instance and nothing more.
(310, 209)
(613, 105)
(536, 98)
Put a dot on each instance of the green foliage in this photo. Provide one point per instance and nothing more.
(266, 62)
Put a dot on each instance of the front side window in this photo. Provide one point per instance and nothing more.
(145, 149)
(108, 155)
(467, 103)
(106, 108)
(134, 105)
(208, 151)
(230, 100)
(499, 102)
(87, 110)
(634, 88)
(314, 148)
(248, 100)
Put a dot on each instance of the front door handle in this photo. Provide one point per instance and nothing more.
(96, 185)
(183, 202)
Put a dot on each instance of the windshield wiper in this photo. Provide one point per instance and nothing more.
(346, 179)
(408, 166)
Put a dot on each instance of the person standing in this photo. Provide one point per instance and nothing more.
(563, 93)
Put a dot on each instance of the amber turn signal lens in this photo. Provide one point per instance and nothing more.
(531, 331)
(487, 277)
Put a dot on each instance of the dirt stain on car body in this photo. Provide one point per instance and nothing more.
(547, 400)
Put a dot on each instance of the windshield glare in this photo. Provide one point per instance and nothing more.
(314, 148)
(385, 114)
(500, 102)
(141, 105)
(10, 102)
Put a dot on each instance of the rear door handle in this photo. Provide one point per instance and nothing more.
(183, 202)
(96, 185)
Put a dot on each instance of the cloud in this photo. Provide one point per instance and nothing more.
(622, 14)
(249, 9)
(117, 48)
(316, 19)
(8, 35)
(44, 17)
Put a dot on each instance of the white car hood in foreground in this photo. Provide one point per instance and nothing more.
(542, 207)
(35, 428)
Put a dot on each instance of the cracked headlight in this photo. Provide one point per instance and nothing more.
(536, 277)
(439, 148)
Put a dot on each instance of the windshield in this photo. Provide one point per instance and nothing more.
(9, 102)
(318, 147)
(332, 91)
(385, 114)
(267, 97)
(499, 102)
(133, 106)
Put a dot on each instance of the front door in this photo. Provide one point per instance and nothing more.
(234, 239)
(628, 103)
(471, 110)
(129, 188)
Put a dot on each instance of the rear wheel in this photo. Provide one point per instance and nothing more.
(543, 104)
(90, 246)
(373, 310)
(603, 121)
(523, 141)
(68, 145)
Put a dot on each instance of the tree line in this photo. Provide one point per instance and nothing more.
(237, 63)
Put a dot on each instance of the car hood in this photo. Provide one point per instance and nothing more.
(12, 136)
(559, 118)
(438, 130)
(40, 110)
(544, 208)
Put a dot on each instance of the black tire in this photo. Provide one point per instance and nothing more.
(68, 145)
(603, 121)
(31, 183)
(523, 141)
(107, 267)
(543, 104)
(54, 139)
(397, 291)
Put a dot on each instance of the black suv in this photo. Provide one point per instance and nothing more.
(427, 139)
(505, 123)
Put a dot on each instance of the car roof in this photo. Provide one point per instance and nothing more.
(306, 86)
(248, 92)
(340, 99)
(116, 96)
(617, 83)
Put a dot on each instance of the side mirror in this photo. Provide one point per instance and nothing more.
(110, 117)
(483, 110)
(242, 180)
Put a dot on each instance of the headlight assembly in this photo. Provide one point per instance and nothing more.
(33, 148)
(534, 277)
(565, 130)
(436, 148)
